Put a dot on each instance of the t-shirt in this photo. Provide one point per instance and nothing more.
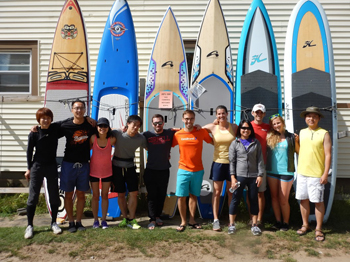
(261, 134)
(159, 146)
(279, 159)
(78, 140)
(311, 161)
(190, 147)
(126, 146)
(45, 143)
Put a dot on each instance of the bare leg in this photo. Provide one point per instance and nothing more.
(95, 199)
(284, 199)
(192, 205)
(132, 204)
(182, 209)
(80, 204)
(274, 185)
(104, 195)
(232, 219)
(305, 211)
(319, 213)
(122, 204)
(216, 198)
(261, 200)
(68, 205)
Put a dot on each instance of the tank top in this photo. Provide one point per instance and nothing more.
(222, 141)
(279, 159)
(311, 154)
(101, 160)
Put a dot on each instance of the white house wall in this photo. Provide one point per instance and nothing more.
(36, 20)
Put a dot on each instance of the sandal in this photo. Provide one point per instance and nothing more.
(181, 228)
(151, 225)
(159, 222)
(195, 226)
(303, 230)
(320, 236)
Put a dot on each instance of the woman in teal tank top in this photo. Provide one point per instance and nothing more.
(280, 168)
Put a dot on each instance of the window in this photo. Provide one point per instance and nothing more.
(18, 67)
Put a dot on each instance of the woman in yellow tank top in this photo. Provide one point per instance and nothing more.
(223, 134)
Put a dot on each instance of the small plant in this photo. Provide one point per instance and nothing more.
(311, 252)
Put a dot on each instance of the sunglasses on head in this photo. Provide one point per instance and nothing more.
(157, 123)
(275, 115)
(245, 128)
(103, 126)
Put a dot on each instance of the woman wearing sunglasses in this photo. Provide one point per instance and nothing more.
(281, 146)
(246, 167)
(101, 168)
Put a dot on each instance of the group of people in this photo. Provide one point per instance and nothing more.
(245, 156)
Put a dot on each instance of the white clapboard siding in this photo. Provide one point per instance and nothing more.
(36, 20)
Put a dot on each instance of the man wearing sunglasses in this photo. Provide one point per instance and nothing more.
(260, 130)
(156, 174)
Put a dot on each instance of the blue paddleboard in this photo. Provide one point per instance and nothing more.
(115, 93)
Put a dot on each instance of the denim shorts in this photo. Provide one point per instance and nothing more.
(74, 175)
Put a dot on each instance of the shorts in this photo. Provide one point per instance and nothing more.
(97, 179)
(74, 175)
(309, 188)
(283, 178)
(220, 172)
(262, 187)
(188, 182)
(122, 176)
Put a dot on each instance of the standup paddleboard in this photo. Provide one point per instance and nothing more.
(167, 74)
(309, 79)
(212, 69)
(68, 75)
(116, 84)
(258, 73)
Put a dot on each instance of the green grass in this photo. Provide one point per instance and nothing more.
(9, 203)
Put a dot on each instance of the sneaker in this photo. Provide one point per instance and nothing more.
(104, 225)
(72, 228)
(256, 230)
(133, 224)
(55, 228)
(80, 226)
(29, 232)
(124, 223)
(216, 225)
(284, 227)
(277, 225)
(96, 224)
(231, 229)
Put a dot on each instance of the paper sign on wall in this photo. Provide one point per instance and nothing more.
(165, 99)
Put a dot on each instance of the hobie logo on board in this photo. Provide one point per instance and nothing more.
(256, 59)
(213, 53)
(69, 32)
(308, 44)
(117, 29)
(206, 188)
(168, 64)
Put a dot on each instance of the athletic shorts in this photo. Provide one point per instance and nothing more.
(283, 178)
(262, 187)
(309, 188)
(74, 175)
(220, 172)
(188, 182)
(97, 179)
(122, 176)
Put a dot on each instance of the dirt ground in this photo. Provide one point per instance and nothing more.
(203, 252)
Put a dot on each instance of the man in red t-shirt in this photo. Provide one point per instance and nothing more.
(191, 170)
(260, 130)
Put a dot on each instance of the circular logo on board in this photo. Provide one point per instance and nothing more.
(117, 29)
(206, 188)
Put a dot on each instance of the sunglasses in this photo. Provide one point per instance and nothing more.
(157, 123)
(103, 126)
(275, 115)
(245, 128)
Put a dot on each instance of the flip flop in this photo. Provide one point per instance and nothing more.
(195, 226)
(151, 226)
(303, 230)
(320, 236)
(159, 222)
(181, 228)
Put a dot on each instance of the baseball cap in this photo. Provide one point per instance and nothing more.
(103, 121)
(258, 107)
